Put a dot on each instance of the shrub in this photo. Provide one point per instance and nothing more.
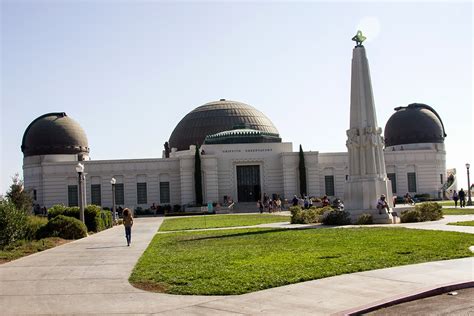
(13, 223)
(177, 207)
(64, 227)
(311, 215)
(34, 224)
(410, 216)
(430, 211)
(106, 216)
(365, 219)
(92, 215)
(337, 218)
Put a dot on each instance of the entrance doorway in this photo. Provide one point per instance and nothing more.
(248, 183)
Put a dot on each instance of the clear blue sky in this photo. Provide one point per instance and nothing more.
(128, 71)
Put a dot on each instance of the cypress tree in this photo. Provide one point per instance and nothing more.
(302, 169)
(198, 177)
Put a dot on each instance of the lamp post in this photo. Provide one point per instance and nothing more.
(469, 201)
(80, 173)
(112, 182)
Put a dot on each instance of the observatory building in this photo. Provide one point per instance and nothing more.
(242, 156)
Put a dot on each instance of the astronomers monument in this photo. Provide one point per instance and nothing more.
(367, 179)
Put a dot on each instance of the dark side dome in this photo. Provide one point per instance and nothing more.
(215, 117)
(413, 124)
(54, 133)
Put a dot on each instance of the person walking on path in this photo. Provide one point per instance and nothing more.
(462, 198)
(455, 198)
(128, 223)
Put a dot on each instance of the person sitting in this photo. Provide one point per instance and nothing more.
(325, 201)
(382, 204)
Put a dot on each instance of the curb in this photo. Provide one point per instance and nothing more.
(408, 297)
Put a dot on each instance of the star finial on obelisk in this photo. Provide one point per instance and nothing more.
(359, 38)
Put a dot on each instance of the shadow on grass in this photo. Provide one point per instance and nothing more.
(248, 233)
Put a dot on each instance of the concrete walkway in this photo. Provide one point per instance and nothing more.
(90, 276)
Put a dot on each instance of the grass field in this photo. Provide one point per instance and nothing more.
(215, 221)
(458, 211)
(25, 248)
(245, 260)
(466, 223)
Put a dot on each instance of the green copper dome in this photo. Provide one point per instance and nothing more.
(242, 135)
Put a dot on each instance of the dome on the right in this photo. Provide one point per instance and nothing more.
(414, 124)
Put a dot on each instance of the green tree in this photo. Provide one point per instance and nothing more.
(198, 177)
(302, 170)
(13, 223)
(18, 196)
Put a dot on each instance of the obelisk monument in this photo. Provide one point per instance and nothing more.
(367, 179)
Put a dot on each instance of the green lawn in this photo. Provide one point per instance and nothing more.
(215, 221)
(466, 223)
(24, 248)
(245, 260)
(458, 211)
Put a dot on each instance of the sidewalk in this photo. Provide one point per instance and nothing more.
(90, 276)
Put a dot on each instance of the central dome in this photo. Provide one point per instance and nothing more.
(215, 117)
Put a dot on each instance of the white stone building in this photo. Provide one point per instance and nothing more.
(241, 163)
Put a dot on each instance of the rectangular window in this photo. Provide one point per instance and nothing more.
(393, 178)
(72, 195)
(164, 192)
(141, 193)
(329, 185)
(411, 181)
(441, 178)
(95, 194)
(119, 194)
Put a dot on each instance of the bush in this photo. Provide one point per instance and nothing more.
(410, 216)
(308, 216)
(106, 216)
(337, 218)
(63, 227)
(92, 215)
(34, 224)
(177, 207)
(13, 223)
(365, 219)
(430, 211)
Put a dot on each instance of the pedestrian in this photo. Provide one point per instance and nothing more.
(128, 223)
(382, 204)
(260, 206)
(462, 198)
(295, 201)
(455, 198)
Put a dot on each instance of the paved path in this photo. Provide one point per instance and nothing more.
(90, 276)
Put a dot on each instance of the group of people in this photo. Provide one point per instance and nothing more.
(461, 196)
(268, 204)
(307, 202)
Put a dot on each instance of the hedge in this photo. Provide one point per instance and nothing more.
(430, 211)
(63, 227)
(96, 219)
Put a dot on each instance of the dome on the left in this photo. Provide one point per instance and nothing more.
(53, 134)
